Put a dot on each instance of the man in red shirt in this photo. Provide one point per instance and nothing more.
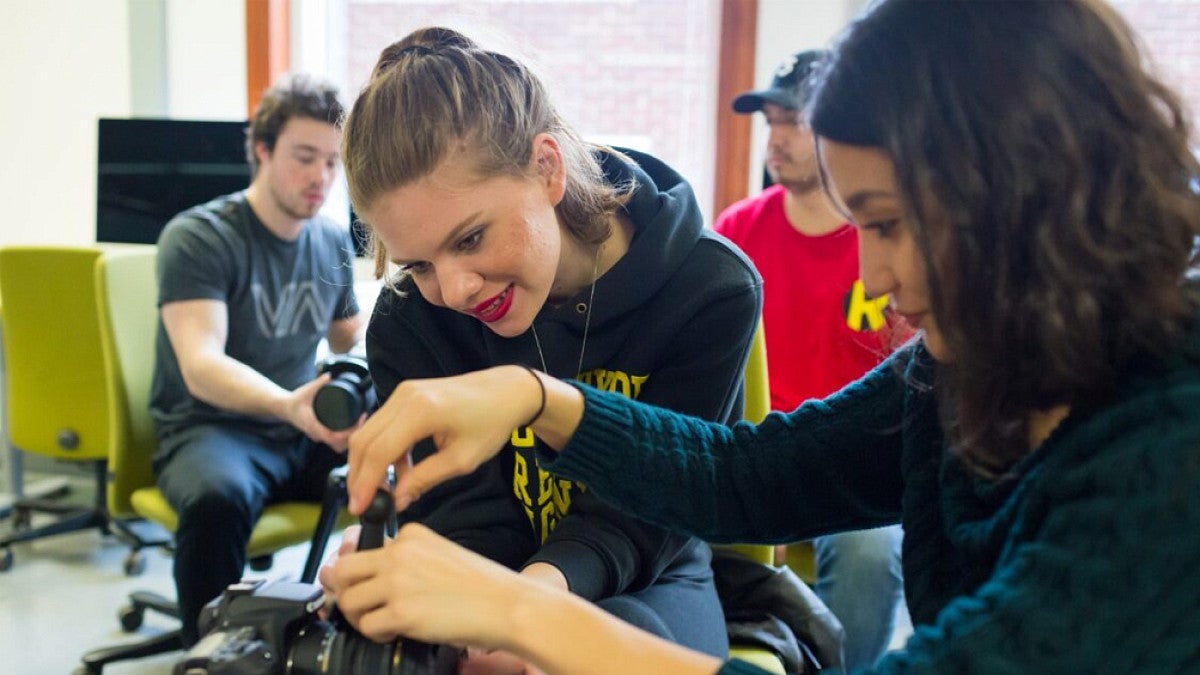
(822, 332)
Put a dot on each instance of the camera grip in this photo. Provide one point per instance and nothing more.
(374, 520)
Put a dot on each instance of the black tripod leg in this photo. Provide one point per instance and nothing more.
(331, 505)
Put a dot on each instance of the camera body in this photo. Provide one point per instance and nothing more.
(241, 626)
(275, 628)
(348, 394)
(267, 628)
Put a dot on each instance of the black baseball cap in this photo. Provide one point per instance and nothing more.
(791, 86)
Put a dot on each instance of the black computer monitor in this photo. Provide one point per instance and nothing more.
(151, 169)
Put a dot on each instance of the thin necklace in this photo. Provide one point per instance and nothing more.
(587, 322)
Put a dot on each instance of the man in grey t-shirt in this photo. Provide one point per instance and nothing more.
(249, 285)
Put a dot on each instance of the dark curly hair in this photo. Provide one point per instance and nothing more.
(1063, 169)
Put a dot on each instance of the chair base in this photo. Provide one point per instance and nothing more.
(131, 617)
(95, 660)
(140, 534)
(52, 488)
(74, 518)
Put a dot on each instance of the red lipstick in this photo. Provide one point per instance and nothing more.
(494, 308)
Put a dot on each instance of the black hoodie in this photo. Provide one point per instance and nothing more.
(671, 325)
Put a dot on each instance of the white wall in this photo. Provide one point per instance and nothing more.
(206, 57)
(64, 66)
(69, 62)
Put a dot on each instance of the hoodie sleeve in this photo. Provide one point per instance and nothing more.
(602, 551)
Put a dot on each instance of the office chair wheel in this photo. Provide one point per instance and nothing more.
(6, 560)
(22, 520)
(135, 564)
(131, 617)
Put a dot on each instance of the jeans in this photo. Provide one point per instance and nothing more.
(680, 606)
(859, 578)
(219, 480)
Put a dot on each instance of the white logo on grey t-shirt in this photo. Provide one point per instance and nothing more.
(296, 301)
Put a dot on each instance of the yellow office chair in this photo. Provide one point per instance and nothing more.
(127, 297)
(56, 399)
(799, 556)
(756, 406)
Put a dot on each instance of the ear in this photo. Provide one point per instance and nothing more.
(548, 166)
(261, 153)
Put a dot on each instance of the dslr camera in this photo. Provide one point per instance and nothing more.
(274, 628)
(347, 395)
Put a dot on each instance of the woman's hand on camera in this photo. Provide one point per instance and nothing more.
(349, 544)
(423, 586)
(469, 417)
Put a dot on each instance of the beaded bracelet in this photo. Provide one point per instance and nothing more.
(541, 387)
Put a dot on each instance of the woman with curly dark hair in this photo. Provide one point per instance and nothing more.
(1024, 192)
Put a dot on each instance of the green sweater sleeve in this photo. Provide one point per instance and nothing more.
(1083, 561)
(836, 460)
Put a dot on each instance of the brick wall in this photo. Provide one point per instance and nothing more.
(641, 74)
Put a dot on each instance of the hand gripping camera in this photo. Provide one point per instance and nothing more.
(272, 628)
(348, 394)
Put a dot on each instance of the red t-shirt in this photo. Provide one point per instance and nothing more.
(821, 330)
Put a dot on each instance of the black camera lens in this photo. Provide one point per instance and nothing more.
(324, 650)
(347, 395)
(315, 652)
(340, 403)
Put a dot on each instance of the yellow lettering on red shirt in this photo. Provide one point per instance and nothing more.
(864, 315)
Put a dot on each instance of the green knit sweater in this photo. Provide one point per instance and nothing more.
(1083, 561)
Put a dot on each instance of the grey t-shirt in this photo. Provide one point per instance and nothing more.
(281, 298)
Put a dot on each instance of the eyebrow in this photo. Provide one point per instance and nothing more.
(451, 236)
(859, 199)
(304, 147)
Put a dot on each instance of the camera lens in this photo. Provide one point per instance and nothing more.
(356, 654)
(340, 402)
(322, 649)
